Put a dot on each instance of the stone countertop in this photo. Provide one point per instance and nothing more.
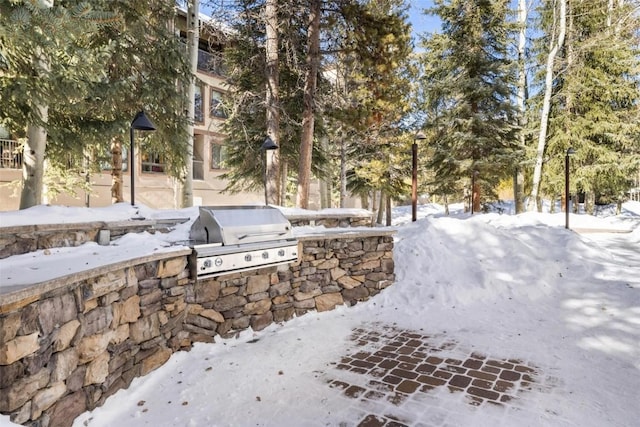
(304, 233)
(19, 294)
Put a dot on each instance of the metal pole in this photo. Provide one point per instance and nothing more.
(132, 163)
(414, 181)
(566, 190)
(473, 188)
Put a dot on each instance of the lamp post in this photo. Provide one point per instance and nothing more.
(570, 152)
(139, 122)
(473, 190)
(414, 175)
(267, 145)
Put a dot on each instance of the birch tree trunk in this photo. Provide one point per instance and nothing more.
(272, 195)
(554, 47)
(518, 184)
(34, 148)
(193, 36)
(343, 172)
(306, 143)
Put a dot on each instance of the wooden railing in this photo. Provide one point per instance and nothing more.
(10, 154)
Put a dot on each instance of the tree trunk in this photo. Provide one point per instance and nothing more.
(381, 200)
(388, 211)
(306, 143)
(518, 178)
(554, 47)
(272, 100)
(343, 172)
(116, 171)
(35, 147)
(193, 36)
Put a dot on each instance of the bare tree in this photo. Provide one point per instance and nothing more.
(555, 45)
(518, 185)
(272, 194)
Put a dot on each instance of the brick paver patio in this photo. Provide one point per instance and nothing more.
(390, 366)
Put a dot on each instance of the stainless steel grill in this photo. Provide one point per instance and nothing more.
(240, 238)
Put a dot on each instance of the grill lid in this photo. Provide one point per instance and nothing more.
(237, 225)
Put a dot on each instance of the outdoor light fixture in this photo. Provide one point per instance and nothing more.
(414, 175)
(139, 122)
(570, 152)
(267, 145)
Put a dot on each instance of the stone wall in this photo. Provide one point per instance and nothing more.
(67, 346)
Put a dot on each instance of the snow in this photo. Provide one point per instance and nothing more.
(508, 286)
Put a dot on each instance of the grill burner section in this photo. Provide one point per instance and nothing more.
(240, 238)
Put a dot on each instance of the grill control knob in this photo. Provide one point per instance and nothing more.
(247, 257)
(265, 255)
(281, 252)
(206, 263)
(218, 262)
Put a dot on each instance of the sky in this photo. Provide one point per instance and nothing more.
(511, 287)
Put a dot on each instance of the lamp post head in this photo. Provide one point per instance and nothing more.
(571, 151)
(268, 144)
(420, 136)
(142, 122)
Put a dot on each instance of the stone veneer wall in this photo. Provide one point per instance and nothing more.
(67, 345)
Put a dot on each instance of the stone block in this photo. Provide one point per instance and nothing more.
(282, 299)
(92, 346)
(97, 370)
(206, 291)
(56, 311)
(212, 315)
(229, 302)
(328, 264)
(97, 320)
(241, 322)
(257, 297)
(387, 265)
(19, 347)
(261, 321)
(127, 311)
(349, 282)
(28, 320)
(155, 361)
(202, 322)
(67, 409)
(281, 288)
(369, 265)
(9, 326)
(257, 307)
(169, 282)
(63, 364)
(10, 373)
(337, 273)
(102, 285)
(171, 267)
(22, 391)
(359, 293)
(328, 301)
(300, 296)
(44, 399)
(145, 328)
(309, 286)
(257, 284)
(23, 415)
(305, 304)
(109, 299)
(284, 314)
(65, 335)
(75, 381)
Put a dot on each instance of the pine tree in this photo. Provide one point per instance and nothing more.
(471, 83)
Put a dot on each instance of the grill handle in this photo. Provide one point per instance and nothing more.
(264, 233)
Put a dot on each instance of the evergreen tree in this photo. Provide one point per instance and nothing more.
(595, 104)
(471, 86)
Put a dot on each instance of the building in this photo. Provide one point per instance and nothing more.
(153, 186)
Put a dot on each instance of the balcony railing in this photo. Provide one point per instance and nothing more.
(10, 154)
(211, 63)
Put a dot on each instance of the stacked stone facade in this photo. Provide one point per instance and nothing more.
(65, 348)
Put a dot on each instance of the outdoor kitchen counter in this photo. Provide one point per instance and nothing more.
(21, 283)
(305, 234)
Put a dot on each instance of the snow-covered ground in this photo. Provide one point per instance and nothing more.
(508, 286)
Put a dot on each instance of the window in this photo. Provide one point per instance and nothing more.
(217, 156)
(152, 162)
(216, 108)
(198, 115)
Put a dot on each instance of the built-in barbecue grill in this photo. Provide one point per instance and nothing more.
(239, 238)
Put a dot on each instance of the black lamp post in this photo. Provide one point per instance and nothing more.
(267, 145)
(414, 175)
(139, 122)
(570, 152)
